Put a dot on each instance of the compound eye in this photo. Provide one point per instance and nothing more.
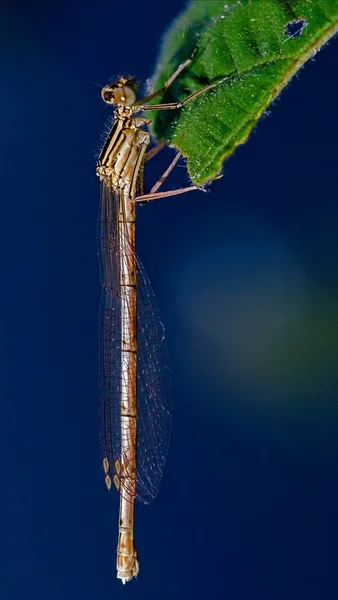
(108, 95)
(125, 95)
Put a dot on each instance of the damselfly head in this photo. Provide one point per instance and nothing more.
(121, 92)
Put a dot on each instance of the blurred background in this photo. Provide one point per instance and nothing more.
(246, 280)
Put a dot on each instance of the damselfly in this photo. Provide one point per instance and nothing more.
(135, 415)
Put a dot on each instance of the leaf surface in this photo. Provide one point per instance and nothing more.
(258, 45)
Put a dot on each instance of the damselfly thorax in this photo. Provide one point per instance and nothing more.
(123, 153)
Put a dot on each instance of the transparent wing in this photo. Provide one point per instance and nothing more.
(153, 376)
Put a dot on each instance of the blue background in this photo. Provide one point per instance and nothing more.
(246, 280)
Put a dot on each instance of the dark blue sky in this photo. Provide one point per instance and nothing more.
(246, 280)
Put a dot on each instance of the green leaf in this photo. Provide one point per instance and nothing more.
(259, 45)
